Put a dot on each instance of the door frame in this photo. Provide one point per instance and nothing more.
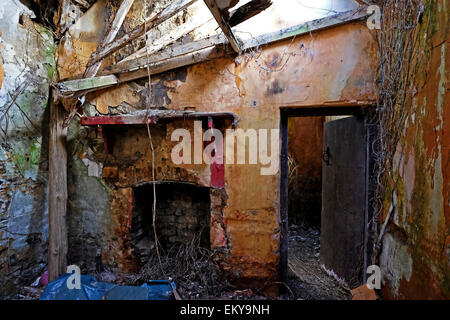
(285, 114)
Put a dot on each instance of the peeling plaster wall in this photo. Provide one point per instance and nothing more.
(334, 66)
(415, 259)
(27, 60)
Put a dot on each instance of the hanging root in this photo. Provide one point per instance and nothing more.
(400, 61)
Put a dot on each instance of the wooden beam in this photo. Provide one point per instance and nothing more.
(140, 118)
(169, 52)
(248, 11)
(223, 24)
(85, 84)
(57, 195)
(165, 40)
(176, 62)
(307, 27)
(125, 6)
(156, 20)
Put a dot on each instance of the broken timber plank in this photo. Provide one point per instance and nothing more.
(86, 84)
(196, 21)
(91, 70)
(165, 14)
(170, 52)
(125, 6)
(57, 195)
(212, 5)
(176, 62)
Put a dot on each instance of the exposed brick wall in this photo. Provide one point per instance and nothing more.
(182, 213)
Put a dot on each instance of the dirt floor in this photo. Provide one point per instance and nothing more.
(306, 278)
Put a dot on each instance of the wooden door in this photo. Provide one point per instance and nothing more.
(344, 199)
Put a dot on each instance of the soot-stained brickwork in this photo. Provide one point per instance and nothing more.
(182, 215)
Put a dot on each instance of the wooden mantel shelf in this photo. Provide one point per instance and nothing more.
(105, 124)
(152, 117)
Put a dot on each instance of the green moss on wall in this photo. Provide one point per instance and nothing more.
(49, 53)
(27, 161)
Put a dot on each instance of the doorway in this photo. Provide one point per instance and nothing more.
(324, 193)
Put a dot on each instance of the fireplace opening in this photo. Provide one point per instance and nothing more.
(182, 216)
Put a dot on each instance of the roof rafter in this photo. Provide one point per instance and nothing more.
(223, 24)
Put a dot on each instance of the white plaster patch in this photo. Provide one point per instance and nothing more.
(395, 263)
(68, 44)
(95, 169)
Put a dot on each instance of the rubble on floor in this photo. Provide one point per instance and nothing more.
(189, 265)
(197, 277)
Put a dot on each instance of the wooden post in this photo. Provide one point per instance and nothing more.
(57, 196)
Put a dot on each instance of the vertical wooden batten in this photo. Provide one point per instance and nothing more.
(57, 196)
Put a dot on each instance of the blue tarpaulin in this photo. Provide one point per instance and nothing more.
(91, 289)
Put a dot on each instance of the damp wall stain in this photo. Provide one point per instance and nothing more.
(422, 270)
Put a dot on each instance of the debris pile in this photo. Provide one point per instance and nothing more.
(190, 266)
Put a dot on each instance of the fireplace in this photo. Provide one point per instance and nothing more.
(182, 216)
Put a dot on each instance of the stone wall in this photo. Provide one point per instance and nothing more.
(27, 67)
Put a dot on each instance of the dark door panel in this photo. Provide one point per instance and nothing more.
(344, 199)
